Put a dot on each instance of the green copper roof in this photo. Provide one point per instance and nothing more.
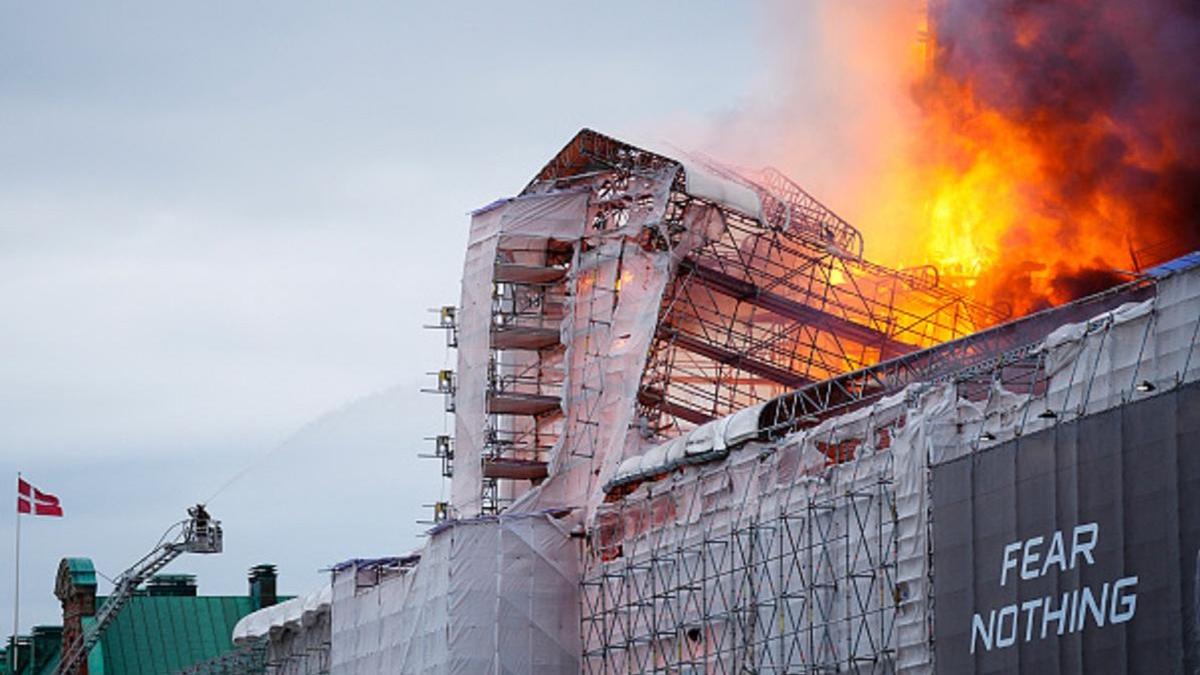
(152, 635)
(83, 573)
(39, 652)
(162, 634)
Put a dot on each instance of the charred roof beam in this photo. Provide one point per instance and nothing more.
(740, 361)
(654, 398)
(749, 292)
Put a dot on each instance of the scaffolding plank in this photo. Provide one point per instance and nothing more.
(514, 469)
(522, 337)
(513, 273)
(510, 403)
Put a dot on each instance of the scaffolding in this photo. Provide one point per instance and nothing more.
(748, 567)
(250, 659)
(694, 372)
(525, 371)
(771, 291)
(807, 549)
(1004, 354)
(305, 651)
(745, 286)
(779, 302)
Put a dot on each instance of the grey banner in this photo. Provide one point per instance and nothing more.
(1076, 549)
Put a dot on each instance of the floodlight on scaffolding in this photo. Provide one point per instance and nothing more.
(443, 444)
(444, 451)
(447, 321)
(445, 386)
(441, 513)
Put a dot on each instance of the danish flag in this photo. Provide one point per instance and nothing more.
(33, 500)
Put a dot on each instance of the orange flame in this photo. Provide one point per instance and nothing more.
(1024, 196)
(1033, 152)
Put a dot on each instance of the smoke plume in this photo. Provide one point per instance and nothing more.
(1033, 150)
(1099, 101)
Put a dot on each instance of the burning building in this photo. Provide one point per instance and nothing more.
(697, 431)
(1054, 144)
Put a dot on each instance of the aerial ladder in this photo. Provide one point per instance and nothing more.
(198, 534)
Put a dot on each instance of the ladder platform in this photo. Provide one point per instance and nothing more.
(510, 403)
(514, 469)
(521, 337)
(513, 273)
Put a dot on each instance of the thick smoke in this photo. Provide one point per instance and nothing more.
(1042, 148)
(832, 108)
(1107, 94)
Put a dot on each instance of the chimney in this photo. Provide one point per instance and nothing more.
(174, 585)
(75, 588)
(262, 586)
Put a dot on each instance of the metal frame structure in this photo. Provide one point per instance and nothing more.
(1000, 353)
(766, 307)
(772, 302)
(803, 582)
(766, 303)
(255, 659)
(748, 564)
(250, 659)
(525, 370)
(199, 533)
(778, 306)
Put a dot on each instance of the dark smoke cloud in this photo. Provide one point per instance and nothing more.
(1075, 284)
(1109, 90)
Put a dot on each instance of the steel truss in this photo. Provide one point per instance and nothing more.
(769, 302)
(999, 354)
(756, 564)
(702, 581)
(253, 659)
(250, 659)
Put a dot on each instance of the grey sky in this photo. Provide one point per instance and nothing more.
(220, 222)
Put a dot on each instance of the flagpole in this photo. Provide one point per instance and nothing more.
(17, 593)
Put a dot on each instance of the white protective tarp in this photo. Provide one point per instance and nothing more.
(294, 614)
(877, 502)
(558, 214)
(719, 435)
(489, 595)
(704, 184)
(297, 633)
(616, 288)
(1131, 351)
